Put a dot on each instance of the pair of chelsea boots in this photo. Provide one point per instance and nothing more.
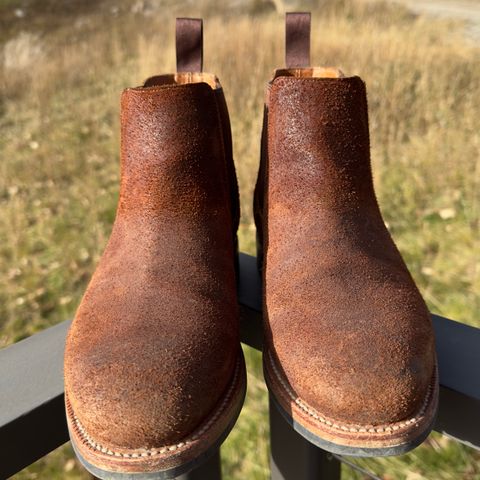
(154, 373)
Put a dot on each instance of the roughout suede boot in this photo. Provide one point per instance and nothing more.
(349, 352)
(154, 374)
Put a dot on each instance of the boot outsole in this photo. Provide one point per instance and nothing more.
(174, 469)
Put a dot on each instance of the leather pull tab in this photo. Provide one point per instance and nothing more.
(189, 44)
(297, 39)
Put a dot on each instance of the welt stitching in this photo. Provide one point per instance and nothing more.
(347, 428)
(87, 439)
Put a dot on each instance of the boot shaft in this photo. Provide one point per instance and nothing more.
(315, 136)
(173, 153)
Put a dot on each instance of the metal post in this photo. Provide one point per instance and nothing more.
(295, 458)
(211, 469)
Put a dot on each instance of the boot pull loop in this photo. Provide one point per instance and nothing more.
(297, 39)
(189, 44)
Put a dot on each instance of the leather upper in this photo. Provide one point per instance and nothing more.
(346, 324)
(155, 340)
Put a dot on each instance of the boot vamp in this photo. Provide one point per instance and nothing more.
(348, 326)
(154, 342)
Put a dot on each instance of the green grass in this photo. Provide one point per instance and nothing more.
(59, 139)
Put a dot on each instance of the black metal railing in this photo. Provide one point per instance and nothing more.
(32, 415)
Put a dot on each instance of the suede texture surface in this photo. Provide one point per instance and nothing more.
(346, 325)
(155, 339)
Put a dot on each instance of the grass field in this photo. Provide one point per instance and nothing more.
(61, 75)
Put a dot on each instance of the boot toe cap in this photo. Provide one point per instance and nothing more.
(137, 393)
(362, 382)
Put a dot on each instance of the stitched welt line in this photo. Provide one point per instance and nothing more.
(346, 428)
(87, 439)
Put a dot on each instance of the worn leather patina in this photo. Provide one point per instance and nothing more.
(349, 346)
(153, 364)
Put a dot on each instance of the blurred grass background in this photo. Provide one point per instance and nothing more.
(62, 68)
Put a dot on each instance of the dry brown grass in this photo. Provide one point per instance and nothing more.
(59, 100)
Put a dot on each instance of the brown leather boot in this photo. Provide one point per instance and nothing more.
(349, 353)
(154, 373)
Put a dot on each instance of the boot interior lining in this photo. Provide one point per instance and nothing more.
(182, 79)
(210, 79)
(310, 72)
